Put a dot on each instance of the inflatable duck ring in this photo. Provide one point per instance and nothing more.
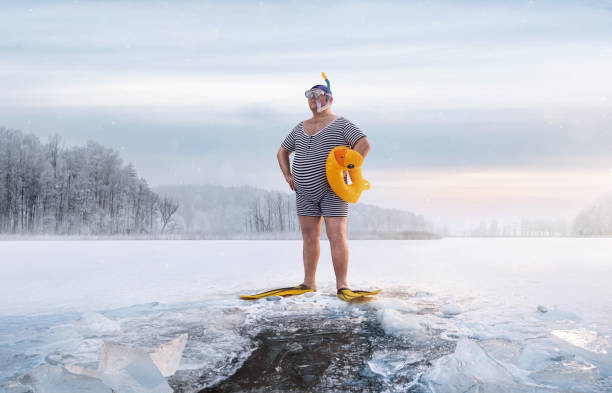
(341, 159)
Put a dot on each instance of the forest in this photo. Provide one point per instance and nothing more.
(46, 188)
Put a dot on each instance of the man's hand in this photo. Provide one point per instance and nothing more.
(290, 181)
(283, 162)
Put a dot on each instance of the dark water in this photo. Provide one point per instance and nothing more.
(316, 353)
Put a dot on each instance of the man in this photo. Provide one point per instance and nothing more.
(312, 140)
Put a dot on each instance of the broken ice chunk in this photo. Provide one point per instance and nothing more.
(583, 338)
(388, 363)
(93, 324)
(467, 367)
(451, 309)
(396, 323)
(556, 314)
(167, 357)
(130, 370)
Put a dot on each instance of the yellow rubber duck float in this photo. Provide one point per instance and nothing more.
(340, 159)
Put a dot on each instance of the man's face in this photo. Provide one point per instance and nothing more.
(312, 101)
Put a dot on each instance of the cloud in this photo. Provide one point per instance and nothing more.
(436, 85)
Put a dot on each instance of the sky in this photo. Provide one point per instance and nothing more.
(475, 110)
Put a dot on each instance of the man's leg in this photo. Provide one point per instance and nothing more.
(335, 228)
(311, 233)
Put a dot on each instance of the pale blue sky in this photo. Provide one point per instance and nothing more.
(441, 88)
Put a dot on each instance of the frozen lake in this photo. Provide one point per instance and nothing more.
(455, 315)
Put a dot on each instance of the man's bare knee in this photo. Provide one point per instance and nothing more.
(335, 233)
(336, 237)
(335, 228)
(311, 236)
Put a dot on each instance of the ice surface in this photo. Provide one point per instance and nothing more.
(502, 350)
(555, 314)
(388, 363)
(16, 387)
(56, 379)
(93, 324)
(537, 308)
(80, 370)
(570, 374)
(400, 305)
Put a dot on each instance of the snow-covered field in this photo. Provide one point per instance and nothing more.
(455, 315)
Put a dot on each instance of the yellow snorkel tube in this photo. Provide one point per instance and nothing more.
(340, 159)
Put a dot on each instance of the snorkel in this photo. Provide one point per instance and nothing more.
(328, 94)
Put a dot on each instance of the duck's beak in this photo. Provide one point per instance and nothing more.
(340, 154)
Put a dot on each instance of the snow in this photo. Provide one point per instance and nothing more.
(526, 315)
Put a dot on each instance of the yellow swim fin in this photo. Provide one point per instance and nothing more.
(349, 295)
(289, 291)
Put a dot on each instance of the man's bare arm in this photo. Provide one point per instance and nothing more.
(283, 161)
(362, 146)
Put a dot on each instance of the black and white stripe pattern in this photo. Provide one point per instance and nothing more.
(330, 205)
(311, 151)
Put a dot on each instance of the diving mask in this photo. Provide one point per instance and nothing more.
(318, 91)
(314, 93)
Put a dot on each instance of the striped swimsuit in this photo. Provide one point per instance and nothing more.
(314, 196)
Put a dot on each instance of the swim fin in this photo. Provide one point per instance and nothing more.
(349, 295)
(290, 291)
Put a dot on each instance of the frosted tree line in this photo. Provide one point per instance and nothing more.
(595, 219)
(272, 212)
(46, 188)
(214, 210)
(523, 228)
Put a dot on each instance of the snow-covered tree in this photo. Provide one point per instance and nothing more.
(46, 188)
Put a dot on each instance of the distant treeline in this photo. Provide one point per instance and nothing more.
(46, 188)
(595, 219)
(523, 228)
(213, 210)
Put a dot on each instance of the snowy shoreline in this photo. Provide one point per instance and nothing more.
(405, 235)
